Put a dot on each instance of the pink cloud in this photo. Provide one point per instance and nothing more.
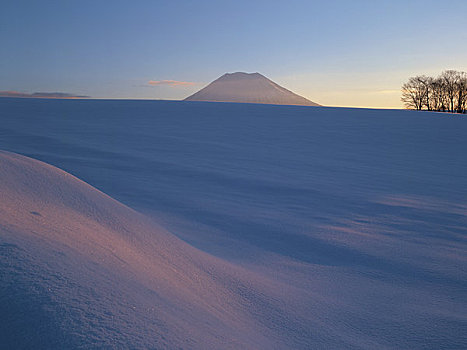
(170, 83)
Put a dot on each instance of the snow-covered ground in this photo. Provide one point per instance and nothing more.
(298, 227)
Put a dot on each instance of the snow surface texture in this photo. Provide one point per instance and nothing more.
(301, 227)
(248, 88)
(81, 270)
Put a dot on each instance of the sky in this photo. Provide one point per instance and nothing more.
(337, 53)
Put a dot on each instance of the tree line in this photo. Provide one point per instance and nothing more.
(445, 93)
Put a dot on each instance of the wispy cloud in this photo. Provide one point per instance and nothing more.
(170, 83)
(39, 94)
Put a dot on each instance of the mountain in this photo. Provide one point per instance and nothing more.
(248, 88)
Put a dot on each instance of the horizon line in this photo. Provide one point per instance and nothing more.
(183, 100)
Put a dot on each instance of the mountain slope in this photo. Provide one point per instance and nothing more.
(248, 88)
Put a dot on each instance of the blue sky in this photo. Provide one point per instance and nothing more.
(345, 53)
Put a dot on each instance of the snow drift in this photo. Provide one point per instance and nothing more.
(248, 88)
(81, 270)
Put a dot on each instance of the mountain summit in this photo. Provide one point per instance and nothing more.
(248, 88)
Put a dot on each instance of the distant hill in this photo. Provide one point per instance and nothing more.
(248, 88)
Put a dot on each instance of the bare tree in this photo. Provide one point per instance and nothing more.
(428, 84)
(446, 93)
(437, 95)
(414, 93)
(461, 92)
(450, 79)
